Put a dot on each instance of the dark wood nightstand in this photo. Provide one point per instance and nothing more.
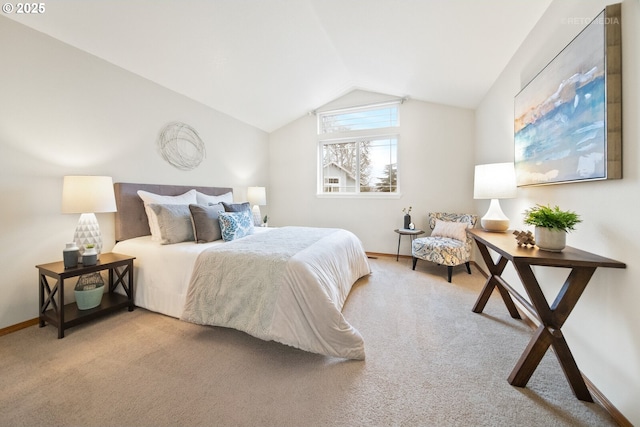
(52, 308)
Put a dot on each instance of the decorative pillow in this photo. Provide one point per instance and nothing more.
(206, 227)
(453, 230)
(174, 223)
(234, 225)
(205, 199)
(236, 207)
(149, 198)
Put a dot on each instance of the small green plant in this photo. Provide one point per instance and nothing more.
(264, 220)
(553, 218)
(90, 246)
(406, 211)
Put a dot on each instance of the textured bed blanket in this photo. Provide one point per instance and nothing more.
(288, 285)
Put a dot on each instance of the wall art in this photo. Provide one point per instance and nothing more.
(568, 119)
(180, 145)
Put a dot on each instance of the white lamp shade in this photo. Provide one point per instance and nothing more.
(257, 196)
(88, 194)
(495, 181)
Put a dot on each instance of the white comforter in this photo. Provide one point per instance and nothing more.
(162, 272)
(288, 285)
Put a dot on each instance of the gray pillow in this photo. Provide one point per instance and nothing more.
(206, 226)
(174, 222)
(236, 207)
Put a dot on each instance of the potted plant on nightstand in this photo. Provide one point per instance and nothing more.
(551, 226)
(90, 255)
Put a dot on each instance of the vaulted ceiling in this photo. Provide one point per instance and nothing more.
(268, 62)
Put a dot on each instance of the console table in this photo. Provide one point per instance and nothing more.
(551, 317)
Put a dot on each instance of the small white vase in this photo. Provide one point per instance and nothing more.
(549, 239)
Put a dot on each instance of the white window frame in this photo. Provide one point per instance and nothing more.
(356, 136)
(360, 109)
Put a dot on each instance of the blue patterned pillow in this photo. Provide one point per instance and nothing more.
(234, 225)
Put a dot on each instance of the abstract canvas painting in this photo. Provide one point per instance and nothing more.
(562, 120)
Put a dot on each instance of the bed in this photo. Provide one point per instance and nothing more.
(286, 284)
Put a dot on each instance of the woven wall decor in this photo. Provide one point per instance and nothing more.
(180, 145)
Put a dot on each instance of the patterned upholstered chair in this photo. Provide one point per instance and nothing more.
(449, 244)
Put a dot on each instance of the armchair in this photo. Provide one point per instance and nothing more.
(449, 244)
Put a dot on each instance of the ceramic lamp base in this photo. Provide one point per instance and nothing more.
(257, 218)
(88, 233)
(495, 225)
(495, 220)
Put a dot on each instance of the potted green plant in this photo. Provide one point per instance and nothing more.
(551, 226)
(90, 255)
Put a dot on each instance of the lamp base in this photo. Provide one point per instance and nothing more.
(495, 225)
(257, 218)
(88, 233)
(495, 220)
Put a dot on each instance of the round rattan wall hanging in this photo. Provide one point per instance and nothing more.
(180, 145)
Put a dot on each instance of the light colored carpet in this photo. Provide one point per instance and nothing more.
(430, 362)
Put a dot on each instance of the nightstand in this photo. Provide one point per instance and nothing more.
(406, 232)
(52, 308)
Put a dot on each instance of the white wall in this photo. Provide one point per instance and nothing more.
(65, 112)
(604, 329)
(435, 172)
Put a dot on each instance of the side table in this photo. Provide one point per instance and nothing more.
(552, 317)
(406, 232)
(52, 307)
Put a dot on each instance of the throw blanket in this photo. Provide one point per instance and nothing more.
(287, 285)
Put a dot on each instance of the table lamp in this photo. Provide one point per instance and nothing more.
(257, 196)
(88, 195)
(494, 181)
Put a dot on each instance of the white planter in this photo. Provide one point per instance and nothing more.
(549, 239)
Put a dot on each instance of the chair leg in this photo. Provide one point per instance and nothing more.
(415, 260)
(449, 271)
(468, 267)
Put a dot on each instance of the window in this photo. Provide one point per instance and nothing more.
(331, 184)
(353, 119)
(358, 150)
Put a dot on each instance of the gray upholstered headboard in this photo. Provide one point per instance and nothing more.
(131, 219)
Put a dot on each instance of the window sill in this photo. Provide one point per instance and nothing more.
(358, 195)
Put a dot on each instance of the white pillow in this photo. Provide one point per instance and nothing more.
(206, 200)
(453, 230)
(151, 198)
(174, 222)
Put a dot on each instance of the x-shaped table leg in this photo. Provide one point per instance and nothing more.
(117, 278)
(548, 333)
(495, 270)
(50, 296)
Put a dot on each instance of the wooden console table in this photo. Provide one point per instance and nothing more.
(551, 318)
